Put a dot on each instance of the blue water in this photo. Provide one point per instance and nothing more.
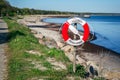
(106, 29)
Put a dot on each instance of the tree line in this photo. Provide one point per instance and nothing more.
(7, 10)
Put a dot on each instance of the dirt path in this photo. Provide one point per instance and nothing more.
(3, 46)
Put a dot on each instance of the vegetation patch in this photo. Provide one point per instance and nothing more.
(24, 64)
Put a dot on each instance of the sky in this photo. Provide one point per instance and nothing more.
(103, 6)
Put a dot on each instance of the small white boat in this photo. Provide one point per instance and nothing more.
(86, 16)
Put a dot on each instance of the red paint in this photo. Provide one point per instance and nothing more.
(86, 32)
(65, 31)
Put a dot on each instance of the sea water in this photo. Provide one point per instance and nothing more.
(106, 29)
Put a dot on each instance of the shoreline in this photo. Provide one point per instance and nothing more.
(56, 27)
(89, 52)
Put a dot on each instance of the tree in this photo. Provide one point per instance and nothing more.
(5, 7)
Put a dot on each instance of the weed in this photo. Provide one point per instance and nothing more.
(58, 54)
(80, 71)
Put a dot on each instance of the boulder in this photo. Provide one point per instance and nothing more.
(41, 42)
(68, 48)
(60, 44)
(70, 56)
(33, 31)
(39, 35)
(80, 60)
(51, 43)
(94, 64)
(93, 69)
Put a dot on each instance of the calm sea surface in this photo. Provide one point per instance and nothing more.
(106, 29)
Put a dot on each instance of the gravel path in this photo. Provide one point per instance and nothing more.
(3, 46)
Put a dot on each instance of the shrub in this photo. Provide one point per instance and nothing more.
(80, 70)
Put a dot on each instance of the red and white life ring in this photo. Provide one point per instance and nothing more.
(67, 26)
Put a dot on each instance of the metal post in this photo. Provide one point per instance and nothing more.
(74, 54)
(74, 62)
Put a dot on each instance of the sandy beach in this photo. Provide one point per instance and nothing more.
(107, 61)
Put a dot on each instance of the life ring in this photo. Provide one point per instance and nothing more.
(67, 26)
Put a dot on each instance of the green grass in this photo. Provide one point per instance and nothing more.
(19, 65)
(58, 54)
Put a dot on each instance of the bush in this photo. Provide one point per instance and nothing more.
(80, 70)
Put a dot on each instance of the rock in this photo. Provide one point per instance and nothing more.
(111, 75)
(93, 69)
(93, 64)
(80, 60)
(59, 66)
(68, 48)
(38, 65)
(116, 79)
(34, 52)
(33, 31)
(70, 56)
(41, 42)
(36, 35)
(60, 45)
(51, 43)
(39, 36)
(37, 78)
(56, 65)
